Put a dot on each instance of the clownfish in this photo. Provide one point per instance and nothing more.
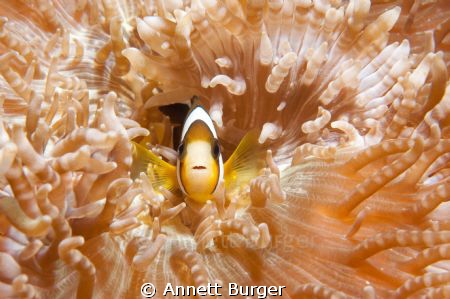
(200, 167)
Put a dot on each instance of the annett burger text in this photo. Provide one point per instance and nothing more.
(215, 290)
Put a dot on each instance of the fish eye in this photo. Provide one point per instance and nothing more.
(181, 149)
(216, 148)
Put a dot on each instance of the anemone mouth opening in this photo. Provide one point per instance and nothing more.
(199, 167)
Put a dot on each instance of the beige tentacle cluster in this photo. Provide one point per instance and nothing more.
(58, 184)
(351, 96)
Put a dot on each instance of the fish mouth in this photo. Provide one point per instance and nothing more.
(199, 167)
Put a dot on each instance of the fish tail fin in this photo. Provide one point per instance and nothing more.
(160, 173)
(245, 163)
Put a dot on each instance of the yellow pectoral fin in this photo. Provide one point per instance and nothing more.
(160, 173)
(245, 162)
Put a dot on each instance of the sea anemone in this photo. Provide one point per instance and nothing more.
(351, 98)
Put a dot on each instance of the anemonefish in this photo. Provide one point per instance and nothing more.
(200, 167)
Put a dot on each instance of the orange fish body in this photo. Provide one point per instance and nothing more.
(200, 166)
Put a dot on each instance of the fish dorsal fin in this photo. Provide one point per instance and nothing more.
(195, 101)
(160, 173)
(245, 163)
